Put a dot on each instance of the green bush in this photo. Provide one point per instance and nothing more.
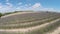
(8, 13)
(1, 14)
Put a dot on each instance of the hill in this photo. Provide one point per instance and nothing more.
(29, 23)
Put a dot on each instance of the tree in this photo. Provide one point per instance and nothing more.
(1, 14)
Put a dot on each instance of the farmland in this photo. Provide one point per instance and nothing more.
(30, 23)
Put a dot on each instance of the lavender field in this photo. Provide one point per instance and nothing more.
(31, 23)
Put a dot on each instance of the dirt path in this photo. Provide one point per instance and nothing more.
(28, 29)
(57, 31)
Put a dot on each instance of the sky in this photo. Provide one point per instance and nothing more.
(18, 5)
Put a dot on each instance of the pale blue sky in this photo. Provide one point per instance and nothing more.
(13, 5)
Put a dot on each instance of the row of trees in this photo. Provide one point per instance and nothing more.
(14, 12)
(1, 14)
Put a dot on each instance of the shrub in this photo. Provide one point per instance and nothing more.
(1, 14)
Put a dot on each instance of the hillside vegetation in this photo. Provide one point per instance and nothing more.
(30, 23)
